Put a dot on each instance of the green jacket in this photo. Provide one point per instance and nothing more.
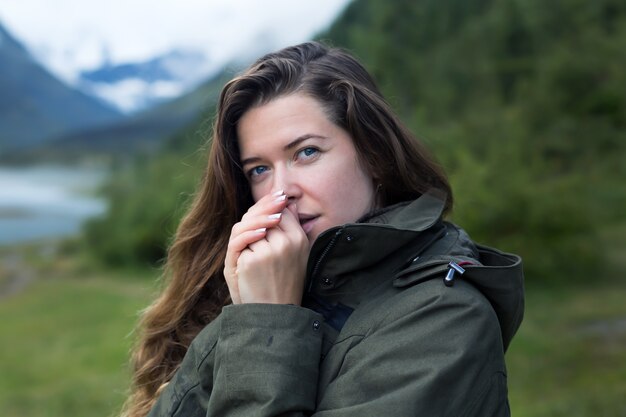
(379, 333)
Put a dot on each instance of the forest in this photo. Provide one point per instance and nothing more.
(522, 102)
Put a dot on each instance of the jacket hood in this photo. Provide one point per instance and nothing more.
(500, 278)
(411, 243)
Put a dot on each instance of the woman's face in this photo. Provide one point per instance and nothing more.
(290, 144)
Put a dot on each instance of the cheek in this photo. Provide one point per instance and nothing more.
(351, 192)
(256, 195)
(258, 191)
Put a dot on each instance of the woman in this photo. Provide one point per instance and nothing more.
(314, 273)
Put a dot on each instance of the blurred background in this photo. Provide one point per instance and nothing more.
(105, 114)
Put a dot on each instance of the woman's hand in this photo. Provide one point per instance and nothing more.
(267, 254)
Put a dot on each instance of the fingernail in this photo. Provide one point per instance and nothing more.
(281, 198)
(261, 230)
(274, 216)
(279, 192)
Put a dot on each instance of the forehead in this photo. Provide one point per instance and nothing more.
(282, 120)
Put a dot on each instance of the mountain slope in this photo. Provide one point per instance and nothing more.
(522, 102)
(145, 131)
(34, 105)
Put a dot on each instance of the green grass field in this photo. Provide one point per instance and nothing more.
(569, 357)
(65, 345)
(65, 341)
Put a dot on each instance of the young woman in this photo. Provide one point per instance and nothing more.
(314, 274)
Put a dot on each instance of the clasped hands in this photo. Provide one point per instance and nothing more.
(267, 254)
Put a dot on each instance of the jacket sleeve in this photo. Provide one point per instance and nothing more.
(438, 353)
(266, 361)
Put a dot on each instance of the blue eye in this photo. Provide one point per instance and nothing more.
(308, 152)
(256, 171)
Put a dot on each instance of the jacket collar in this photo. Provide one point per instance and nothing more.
(418, 215)
(353, 257)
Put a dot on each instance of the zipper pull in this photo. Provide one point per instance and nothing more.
(453, 267)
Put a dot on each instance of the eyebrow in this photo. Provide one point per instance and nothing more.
(294, 143)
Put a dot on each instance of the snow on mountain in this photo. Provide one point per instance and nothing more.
(133, 55)
(135, 86)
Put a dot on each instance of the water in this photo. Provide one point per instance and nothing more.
(44, 202)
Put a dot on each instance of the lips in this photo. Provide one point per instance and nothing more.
(307, 221)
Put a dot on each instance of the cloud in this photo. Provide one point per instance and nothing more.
(74, 35)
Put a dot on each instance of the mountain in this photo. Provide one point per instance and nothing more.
(144, 131)
(135, 86)
(35, 106)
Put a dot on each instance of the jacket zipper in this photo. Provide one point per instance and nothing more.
(327, 249)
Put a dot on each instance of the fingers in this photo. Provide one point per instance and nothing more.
(273, 269)
(265, 214)
(289, 220)
(286, 233)
(269, 204)
(235, 247)
(239, 243)
(267, 253)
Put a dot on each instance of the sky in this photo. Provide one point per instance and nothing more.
(68, 36)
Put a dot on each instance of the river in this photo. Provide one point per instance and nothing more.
(46, 202)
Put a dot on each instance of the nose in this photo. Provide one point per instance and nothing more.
(287, 180)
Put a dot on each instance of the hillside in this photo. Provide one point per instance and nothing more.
(522, 101)
(144, 131)
(35, 106)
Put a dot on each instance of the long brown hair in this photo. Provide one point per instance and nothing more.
(196, 290)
